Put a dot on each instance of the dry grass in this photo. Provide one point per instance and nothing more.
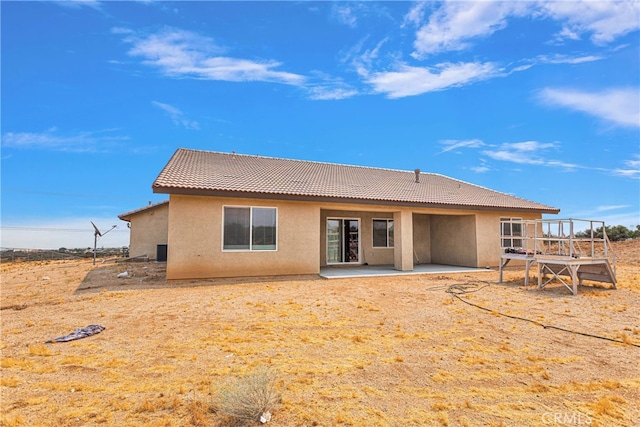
(362, 352)
(249, 398)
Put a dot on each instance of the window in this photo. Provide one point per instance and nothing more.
(510, 228)
(382, 233)
(249, 228)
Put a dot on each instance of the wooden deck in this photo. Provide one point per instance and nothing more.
(565, 257)
(572, 271)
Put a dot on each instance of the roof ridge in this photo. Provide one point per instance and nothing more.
(483, 187)
(318, 162)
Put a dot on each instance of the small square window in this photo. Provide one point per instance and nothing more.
(382, 233)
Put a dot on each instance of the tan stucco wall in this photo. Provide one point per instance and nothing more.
(455, 237)
(148, 229)
(453, 240)
(488, 236)
(195, 240)
(422, 238)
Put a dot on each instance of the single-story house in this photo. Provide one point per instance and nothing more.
(149, 227)
(234, 215)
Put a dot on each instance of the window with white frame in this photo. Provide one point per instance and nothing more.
(250, 228)
(511, 229)
(382, 233)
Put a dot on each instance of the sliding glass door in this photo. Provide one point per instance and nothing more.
(343, 240)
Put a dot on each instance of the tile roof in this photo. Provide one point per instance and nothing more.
(215, 173)
(125, 216)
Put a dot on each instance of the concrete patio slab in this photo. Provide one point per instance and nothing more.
(340, 272)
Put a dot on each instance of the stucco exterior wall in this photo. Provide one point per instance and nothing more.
(195, 230)
(488, 236)
(195, 240)
(453, 240)
(422, 238)
(148, 229)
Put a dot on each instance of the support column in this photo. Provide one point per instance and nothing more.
(403, 240)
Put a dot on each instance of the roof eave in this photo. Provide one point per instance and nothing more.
(127, 215)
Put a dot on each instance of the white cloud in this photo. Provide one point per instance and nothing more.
(184, 54)
(604, 20)
(453, 144)
(481, 169)
(76, 4)
(408, 80)
(565, 59)
(527, 152)
(455, 23)
(343, 13)
(415, 15)
(530, 146)
(74, 142)
(631, 169)
(611, 207)
(620, 106)
(326, 93)
(177, 116)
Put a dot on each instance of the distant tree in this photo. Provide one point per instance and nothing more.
(618, 232)
(614, 233)
(62, 250)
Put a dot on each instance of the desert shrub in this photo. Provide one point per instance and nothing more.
(249, 398)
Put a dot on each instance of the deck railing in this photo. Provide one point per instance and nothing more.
(574, 238)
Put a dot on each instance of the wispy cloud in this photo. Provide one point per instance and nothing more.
(527, 152)
(481, 169)
(567, 59)
(183, 54)
(408, 80)
(619, 106)
(51, 139)
(177, 116)
(452, 26)
(455, 25)
(454, 144)
(533, 153)
(344, 14)
(76, 4)
(327, 93)
(604, 21)
(631, 169)
(415, 16)
(611, 207)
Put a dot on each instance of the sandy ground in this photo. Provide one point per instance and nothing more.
(389, 351)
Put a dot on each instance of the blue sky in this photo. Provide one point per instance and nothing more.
(536, 99)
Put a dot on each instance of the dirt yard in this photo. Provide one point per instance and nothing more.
(391, 351)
